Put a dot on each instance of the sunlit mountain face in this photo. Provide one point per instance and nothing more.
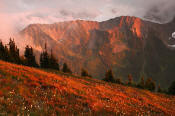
(87, 57)
(127, 45)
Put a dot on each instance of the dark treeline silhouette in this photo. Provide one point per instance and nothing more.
(4, 52)
(148, 84)
(84, 73)
(171, 89)
(30, 57)
(48, 60)
(14, 52)
(66, 69)
(10, 53)
(109, 77)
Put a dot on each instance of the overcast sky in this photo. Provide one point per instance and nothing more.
(17, 14)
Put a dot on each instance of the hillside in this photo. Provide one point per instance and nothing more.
(127, 45)
(25, 90)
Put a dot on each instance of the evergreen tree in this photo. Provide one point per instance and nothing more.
(44, 58)
(84, 73)
(141, 84)
(14, 52)
(2, 51)
(109, 76)
(118, 81)
(130, 79)
(41, 60)
(66, 69)
(6, 53)
(53, 63)
(171, 89)
(30, 57)
(150, 84)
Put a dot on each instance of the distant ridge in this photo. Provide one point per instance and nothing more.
(127, 45)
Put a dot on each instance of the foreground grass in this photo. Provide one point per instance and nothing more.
(30, 91)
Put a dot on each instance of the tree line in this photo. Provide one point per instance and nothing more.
(148, 84)
(10, 53)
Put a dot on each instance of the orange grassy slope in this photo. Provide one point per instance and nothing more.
(25, 90)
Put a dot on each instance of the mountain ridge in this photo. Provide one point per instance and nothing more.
(119, 44)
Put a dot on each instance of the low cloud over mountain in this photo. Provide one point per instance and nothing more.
(17, 14)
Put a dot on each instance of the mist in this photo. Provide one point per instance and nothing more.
(162, 11)
(17, 14)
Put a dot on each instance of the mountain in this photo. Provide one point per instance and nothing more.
(31, 91)
(127, 45)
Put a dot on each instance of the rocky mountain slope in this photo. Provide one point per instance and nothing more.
(127, 45)
(30, 91)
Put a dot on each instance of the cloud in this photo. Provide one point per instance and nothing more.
(163, 11)
(80, 14)
(17, 14)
